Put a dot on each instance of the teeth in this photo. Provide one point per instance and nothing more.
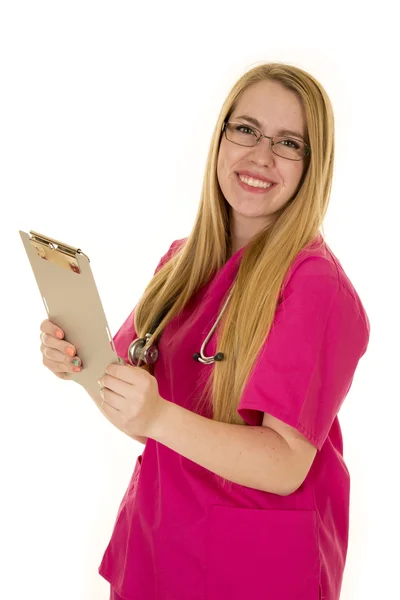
(255, 182)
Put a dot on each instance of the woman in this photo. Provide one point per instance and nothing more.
(242, 490)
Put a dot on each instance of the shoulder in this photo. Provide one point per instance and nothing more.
(172, 250)
(317, 277)
(317, 261)
(175, 247)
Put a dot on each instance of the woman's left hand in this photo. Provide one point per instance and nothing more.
(131, 399)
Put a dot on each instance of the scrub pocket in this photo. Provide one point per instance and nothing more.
(262, 554)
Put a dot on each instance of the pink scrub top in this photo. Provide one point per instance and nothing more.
(179, 535)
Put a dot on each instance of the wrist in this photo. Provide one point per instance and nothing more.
(158, 422)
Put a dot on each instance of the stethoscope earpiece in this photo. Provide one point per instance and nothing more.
(208, 360)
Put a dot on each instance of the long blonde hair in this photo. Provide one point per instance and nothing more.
(249, 315)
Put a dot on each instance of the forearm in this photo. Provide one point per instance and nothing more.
(256, 457)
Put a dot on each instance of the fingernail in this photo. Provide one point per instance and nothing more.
(77, 369)
(76, 362)
(70, 351)
(60, 335)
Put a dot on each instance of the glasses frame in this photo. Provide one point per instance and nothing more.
(307, 149)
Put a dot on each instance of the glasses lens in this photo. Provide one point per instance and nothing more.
(241, 134)
(289, 148)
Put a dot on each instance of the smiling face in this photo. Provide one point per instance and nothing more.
(276, 109)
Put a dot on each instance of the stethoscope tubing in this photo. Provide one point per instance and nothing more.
(150, 356)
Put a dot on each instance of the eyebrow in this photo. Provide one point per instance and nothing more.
(280, 132)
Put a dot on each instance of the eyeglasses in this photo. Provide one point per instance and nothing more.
(244, 135)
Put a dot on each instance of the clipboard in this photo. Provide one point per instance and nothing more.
(72, 301)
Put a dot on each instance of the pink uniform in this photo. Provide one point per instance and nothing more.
(179, 535)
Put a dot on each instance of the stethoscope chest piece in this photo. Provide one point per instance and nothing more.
(135, 352)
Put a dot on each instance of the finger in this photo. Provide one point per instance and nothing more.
(128, 373)
(114, 401)
(51, 328)
(61, 345)
(52, 357)
(122, 388)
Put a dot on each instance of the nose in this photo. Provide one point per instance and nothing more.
(262, 152)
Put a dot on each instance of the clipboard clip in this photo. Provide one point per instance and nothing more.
(56, 252)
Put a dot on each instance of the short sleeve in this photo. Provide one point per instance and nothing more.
(126, 333)
(307, 364)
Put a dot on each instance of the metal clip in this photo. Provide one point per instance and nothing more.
(56, 252)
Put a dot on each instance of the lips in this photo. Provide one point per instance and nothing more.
(254, 190)
(255, 176)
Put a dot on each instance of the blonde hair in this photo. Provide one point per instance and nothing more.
(247, 320)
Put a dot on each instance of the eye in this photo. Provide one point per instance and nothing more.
(245, 129)
(289, 143)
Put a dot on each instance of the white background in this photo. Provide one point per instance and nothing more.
(107, 110)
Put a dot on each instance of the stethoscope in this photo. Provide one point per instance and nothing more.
(150, 355)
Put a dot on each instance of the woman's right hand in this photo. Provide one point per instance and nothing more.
(58, 354)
